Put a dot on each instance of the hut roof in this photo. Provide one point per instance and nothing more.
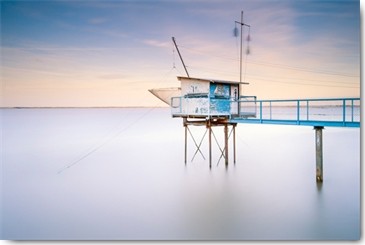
(210, 80)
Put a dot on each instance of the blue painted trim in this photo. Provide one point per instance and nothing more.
(300, 123)
(321, 99)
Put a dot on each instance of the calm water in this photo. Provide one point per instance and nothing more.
(119, 174)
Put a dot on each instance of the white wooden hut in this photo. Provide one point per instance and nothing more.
(206, 98)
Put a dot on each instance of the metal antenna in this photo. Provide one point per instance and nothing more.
(242, 24)
(173, 39)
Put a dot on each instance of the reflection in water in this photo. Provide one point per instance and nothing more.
(211, 210)
(319, 187)
(137, 187)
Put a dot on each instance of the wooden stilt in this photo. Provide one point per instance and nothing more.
(234, 143)
(186, 139)
(226, 144)
(319, 154)
(210, 144)
(209, 124)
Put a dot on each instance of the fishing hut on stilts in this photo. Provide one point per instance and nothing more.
(213, 103)
(209, 103)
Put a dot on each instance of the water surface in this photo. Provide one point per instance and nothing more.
(119, 174)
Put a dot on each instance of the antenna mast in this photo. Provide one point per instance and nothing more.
(173, 39)
(242, 24)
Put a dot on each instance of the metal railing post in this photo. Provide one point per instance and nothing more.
(344, 111)
(180, 105)
(261, 111)
(352, 110)
(298, 111)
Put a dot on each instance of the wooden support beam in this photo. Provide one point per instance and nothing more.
(186, 142)
(186, 139)
(210, 123)
(319, 153)
(226, 144)
(210, 144)
(234, 143)
(198, 146)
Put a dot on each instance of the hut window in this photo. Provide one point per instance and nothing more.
(221, 91)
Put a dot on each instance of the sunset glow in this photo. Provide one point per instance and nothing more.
(109, 53)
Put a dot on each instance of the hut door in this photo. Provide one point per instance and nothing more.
(234, 99)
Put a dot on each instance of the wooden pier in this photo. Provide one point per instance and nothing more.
(217, 103)
(305, 112)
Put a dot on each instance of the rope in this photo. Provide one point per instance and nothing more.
(106, 141)
(118, 133)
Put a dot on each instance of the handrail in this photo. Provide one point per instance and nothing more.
(319, 99)
(304, 111)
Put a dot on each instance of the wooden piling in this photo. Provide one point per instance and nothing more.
(186, 140)
(319, 153)
(210, 144)
(209, 124)
(234, 143)
(226, 144)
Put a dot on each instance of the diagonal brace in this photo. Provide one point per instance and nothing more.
(197, 146)
(222, 151)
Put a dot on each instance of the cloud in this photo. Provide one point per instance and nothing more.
(156, 43)
(110, 45)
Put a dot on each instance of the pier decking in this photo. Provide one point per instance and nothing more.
(334, 112)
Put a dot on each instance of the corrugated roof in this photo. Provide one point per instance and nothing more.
(211, 80)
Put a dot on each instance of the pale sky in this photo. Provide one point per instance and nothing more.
(109, 53)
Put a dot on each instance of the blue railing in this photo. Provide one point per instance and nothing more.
(340, 112)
